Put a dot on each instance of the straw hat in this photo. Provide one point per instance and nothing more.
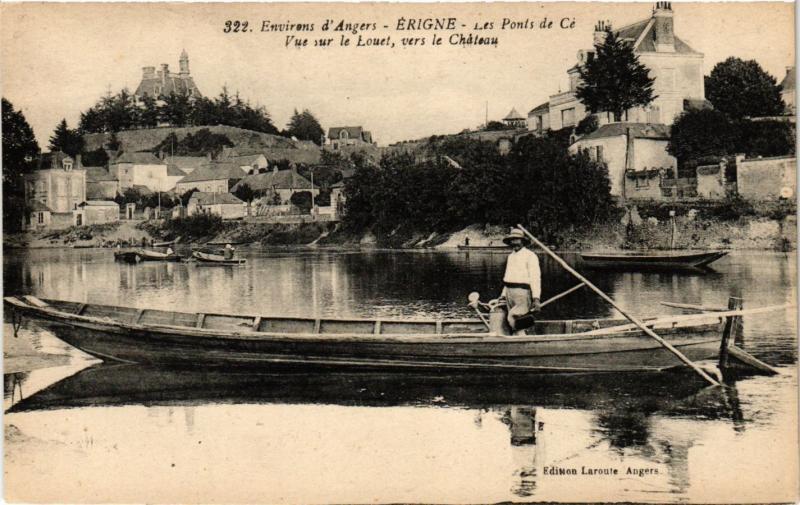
(516, 233)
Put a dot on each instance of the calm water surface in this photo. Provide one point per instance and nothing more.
(178, 436)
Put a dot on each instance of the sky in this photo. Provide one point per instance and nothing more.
(59, 59)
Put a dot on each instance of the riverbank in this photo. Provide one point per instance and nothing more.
(754, 232)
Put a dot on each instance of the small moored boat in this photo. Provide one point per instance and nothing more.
(216, 259)
(665, 260)
(139, 255)
(171, 338)
(483, 248)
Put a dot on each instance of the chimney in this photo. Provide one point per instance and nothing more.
(664, 29)
(148, 72)
(630, 161)
(78, 163)
(601, 29)
(164, 74)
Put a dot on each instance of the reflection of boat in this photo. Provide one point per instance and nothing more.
(216, 259)
(654, 261)
(139, 255)
(150, 336)
(675, 393)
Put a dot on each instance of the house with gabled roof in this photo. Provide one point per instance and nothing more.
(187, 164)
(144, 169)
(676, 67)
(212, 177)
(278, 186)
(341, 136)
(514, 119)
(226, 205)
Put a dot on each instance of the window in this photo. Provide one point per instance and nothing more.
(67, 165)
(343, 134)
(653, 114)
(568, 117)
(40, 217)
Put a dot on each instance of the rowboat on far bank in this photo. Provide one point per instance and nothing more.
(203, 258)
(468, 248)
(659, 261)
(172, 338)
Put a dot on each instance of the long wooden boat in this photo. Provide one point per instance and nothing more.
(216, 259)
(139, 255)
(167, 243)
(484, 248)
(160, 337)
(659, 260)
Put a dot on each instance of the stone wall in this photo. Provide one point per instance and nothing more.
(767, 178)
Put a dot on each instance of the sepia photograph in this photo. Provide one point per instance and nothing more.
(446, 253)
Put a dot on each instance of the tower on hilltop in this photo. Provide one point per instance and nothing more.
(161, 83)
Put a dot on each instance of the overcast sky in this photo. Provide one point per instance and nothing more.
(58, 59)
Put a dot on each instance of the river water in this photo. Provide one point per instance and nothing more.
(79, 431)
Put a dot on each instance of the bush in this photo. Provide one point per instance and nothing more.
(197, 225)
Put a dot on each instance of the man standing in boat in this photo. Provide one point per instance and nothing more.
(522, 282)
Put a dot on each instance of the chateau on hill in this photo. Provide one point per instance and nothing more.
(163, 82)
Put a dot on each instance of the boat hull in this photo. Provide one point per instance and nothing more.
(567, 353)
(667, 261)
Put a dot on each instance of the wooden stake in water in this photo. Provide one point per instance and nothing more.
(631, 318)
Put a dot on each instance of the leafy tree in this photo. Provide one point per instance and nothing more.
(113, 143)
(96, 158)
(93, 120)
(741, 88)
(149, 113)
(176, 109)
(19, 152)
(245, 193)
(66, 140)
(301, 199)
(587, 125)
(200, 143)
(304, 126)
(765, 138)
(492, 126)
(614, 80)
(185, 197)
(699, 133)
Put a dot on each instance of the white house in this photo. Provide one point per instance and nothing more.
(675, 66)
(221, 204)
(145, 169)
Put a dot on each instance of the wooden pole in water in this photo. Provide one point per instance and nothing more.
(622, 311)
(728, 332)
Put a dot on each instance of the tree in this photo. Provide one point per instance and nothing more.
(301, 199)
(176, 109)
(245, 193)
(587, 125)
(96, 158)
(149, 113)
(304, 126)
(614, 80)
(743, 89)
(699, 133)
(765, 138)
(200, 143)
(493, 126)
(19, 152)
(66, 140)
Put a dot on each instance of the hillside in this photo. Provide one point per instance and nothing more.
(146, 139)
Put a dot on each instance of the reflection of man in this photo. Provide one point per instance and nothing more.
(523, 278)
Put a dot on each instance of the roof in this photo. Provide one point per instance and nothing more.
(513, 115)
(144, 158)
(545, 107)
(247, 159)
(787, 84)
(645, 32)
(639, 131)
(53, 159)
(353, 132)
(184, 162)
(142, 189)
(173, 83)
(281, 179)
(215, 171)
(174, 171)
(99, 174)
(99, 203)
(37, 206)
(201, 198)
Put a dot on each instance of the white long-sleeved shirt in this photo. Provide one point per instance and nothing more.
(522, 267)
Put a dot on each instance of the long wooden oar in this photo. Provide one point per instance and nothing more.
(631, 318)
(561, 295)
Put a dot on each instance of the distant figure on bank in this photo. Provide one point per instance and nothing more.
(522, 282)
(170, 251)
(229, 251)
(144, 242)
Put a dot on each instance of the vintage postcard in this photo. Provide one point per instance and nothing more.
(318, 253)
